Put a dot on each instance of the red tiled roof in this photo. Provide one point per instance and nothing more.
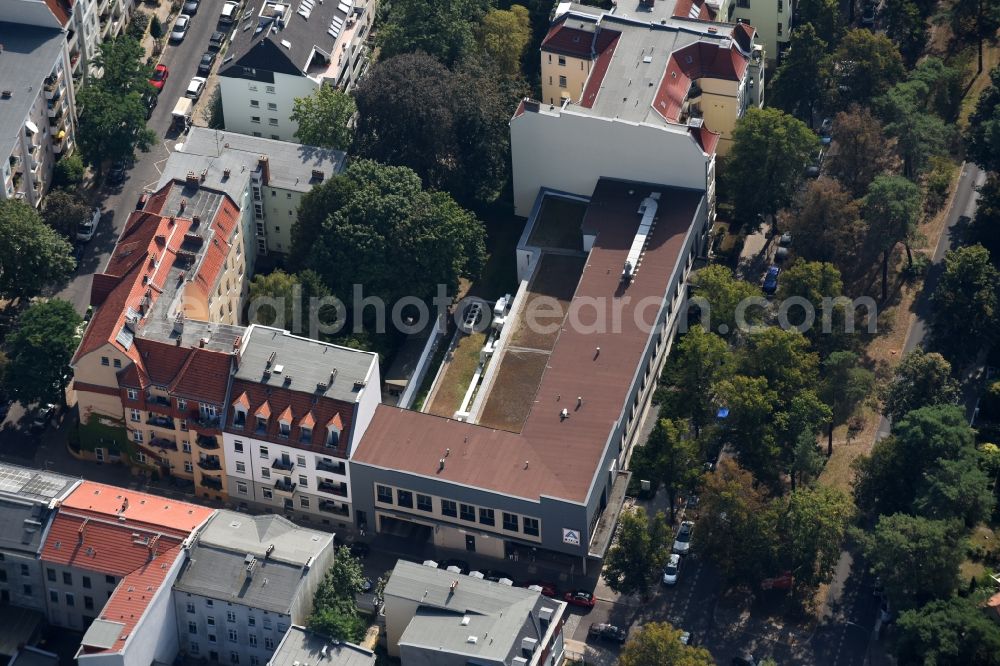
(696, 9)
(567, 40)
(60, 10)
(554, 456)
(242, 400)
(144, 510)
(308, 421)
(706, 138)
(695, 61)
(744, 33)
(264, 411)
(605, 44)
(286, 415)
(205, 377)
(335, 422)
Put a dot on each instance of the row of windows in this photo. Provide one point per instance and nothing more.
(268, 89)
(234, 657)
(321, 462)
(88, 602)
(270, 121)
(255, 104)
(462, 511)
(231, 619)
(273, 136)
(67, 577)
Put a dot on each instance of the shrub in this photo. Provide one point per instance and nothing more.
(68, 172)
(137, 28)
(155, 27)
(937, 180)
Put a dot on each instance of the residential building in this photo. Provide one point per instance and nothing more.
(302, 646)
(247, 580)
(37, 104)
(110, 557)
(675, 71)
(291, 171)
(283, 51)
(27, 501)
(538, 461)
(297, 411)
(439, 618)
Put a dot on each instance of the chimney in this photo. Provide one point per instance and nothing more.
(225, 174)
(184, 203)
(531, 104)
(265, 169)
(204, 175)
(318, 175)
(192, 179)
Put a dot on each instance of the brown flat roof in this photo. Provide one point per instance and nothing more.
(552, 456)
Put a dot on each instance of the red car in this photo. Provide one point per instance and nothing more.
(548, 589)
(580, 598)
(160, 75)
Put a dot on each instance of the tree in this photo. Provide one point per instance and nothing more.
(982, 139)
(784, 359)
(811, 280)
(283, 300)
(324, 118)
(372, 224)
(920, 135)
(137, 26)
(660, 643)
(735, 530)
(826, 223)
(807, 460)
(344, 578)
(670, 458)
(863, 151)
(155, 27)
(68, 172)
(904, 24)
(340, 621)
(335, 613)
(986, 226)
(798, 86)
(698, 361)
(804, 415)
(922, 379)
(750, 424)
(504, 35)
(824, 17)
(444, 29)
(812, 526)
(39, 351)
(868, 64)
(724, 294)
(948, 631)
(64, 211)
(635, 561)
(123, 67)
(965, 301)
(916, 558)
(32, 256)
(946, 85)
(845, 385)
(892, 210)
(768, 159)
(216, 115)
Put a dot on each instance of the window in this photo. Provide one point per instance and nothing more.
(265, 473)
(448, 508)
(303, 480)
(254, 660)
(230, 617)
(184, 425)
(188, 467)
(118, 363)
(779, 29)
(272, 121)
(211, 638)
(238, 446)
(25, 571)
(268, 643)
(304, 502)
(253, 640)
(70, 599)
(110, 580)
(267, 494)
(141, 457)
(86, 582)
(251, 622)
(562, 61)
(50, 574)
(3, 575)
(241, 467)
(468, 513)
(300, 460)
(181, 404)
(510, 521)
(384, 494)
(105, 361)
(67, 576)
(424, 502)
(186, 446)
(233, 636)
(210, 620)
(137, 436)
(743, 4)
(486, 517)
(284, 429)
(282, 628)
(271, 106)
(276, 138)
(26, 589)
(135, 415)
(562, 81)
(263, 452)
(305, 434)
(132, 394)
(88, 603)
(530, 526)
(257, 134)
(190, 607)
(255, 104)
(193, 649)
(267, 625)
(241, 488)
(255, 119)
(53, 596)
(404, 498)
(269, 89)
(234, 657)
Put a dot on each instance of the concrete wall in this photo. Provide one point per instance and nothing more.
(57, 607)
(569, 151)
(364, 410)
(576, 71)
(258, 632)
(22, 580)
(238, 94)
(280, 214)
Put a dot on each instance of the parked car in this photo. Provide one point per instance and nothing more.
(495, 575)
(160, 75)
(42, 417)
(207, 60)
(230, 12)
(462, 565)
(367, 585)
(672, 570)
(117, 174)
(78, 249)
(191, 7)
(786, 239)
(869, 14)
(195, 87)
(87, 227)
(607, 632)
(150, 101)
(180, 28)
(816, 166)
(140, 203)
(580, 598)
(548, 589)
(771, 280)
(825, 128)
(685, 638)
(216, 40)
(682, 542)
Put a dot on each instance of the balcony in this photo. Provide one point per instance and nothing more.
(338, 489)
(207, 441)
(284, 486)
(210, 464)
(161, 400)
(52, 88)
(335, 468)
(207, 421)
(163, 443)
(211, 482)
(160, 422)
(283, 465)
(326, 506)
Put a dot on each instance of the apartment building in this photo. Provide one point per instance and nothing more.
(302, 646)
(110, 558)
(37, 104)
(246, 581)
(285, 50)
(546, 473)
(447, 619)
(297, 410)
(28, 499)
(291, 170)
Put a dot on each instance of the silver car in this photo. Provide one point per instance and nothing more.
(180, 28)
(682, 542)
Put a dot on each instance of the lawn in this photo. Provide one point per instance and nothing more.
(514, 388)
(457, 375)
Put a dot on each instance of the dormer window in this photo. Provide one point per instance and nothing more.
(306, 435)
(261, 424)
(285, 423)
(262, 414)
(240, 407)
(333, 430)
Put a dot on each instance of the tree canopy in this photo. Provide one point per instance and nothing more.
(717, 285)
(863, 152)
(869, 63)
(504, 35)
(965, 301)
(284, 300)
(826, 223)
(798, 86)
(324, 118)
(670, 458)
(64, 211)
(892, 210)
(948, 631)
(335, 613)
(983, 135)
(635, 562)
(812, 525)
(39, 351)
(698, 360)
(660, 643)
(32, 255)
(444, 29)
(922, 379)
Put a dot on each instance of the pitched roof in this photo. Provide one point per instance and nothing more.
(570, 36)
(143, 510)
